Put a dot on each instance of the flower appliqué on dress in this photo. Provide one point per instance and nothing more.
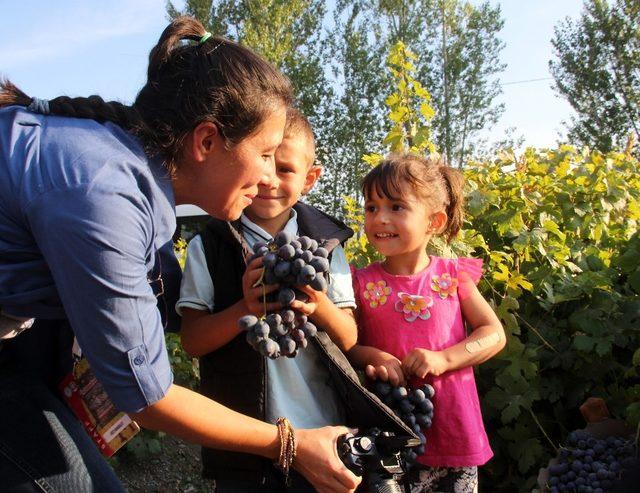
(376, 293)
(414, 306)
(444, 285)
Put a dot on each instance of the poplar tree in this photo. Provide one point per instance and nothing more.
(354, 119)
(458, 51)
(597, 69)
(458, 61)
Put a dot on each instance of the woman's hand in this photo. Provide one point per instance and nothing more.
(387, 368)
(317, 460)
(253, 294)
(422, 362)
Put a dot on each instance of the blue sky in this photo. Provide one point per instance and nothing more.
(100, 47)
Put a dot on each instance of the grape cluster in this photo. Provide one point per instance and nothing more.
(413, 406)
(278, 334)
(288, 261)
(590, 465)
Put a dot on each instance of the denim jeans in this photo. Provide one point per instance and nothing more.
(43, 447)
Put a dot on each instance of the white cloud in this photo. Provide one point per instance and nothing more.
(61, 28)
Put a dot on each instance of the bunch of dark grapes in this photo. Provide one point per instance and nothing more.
(414, 407)
(278, 334)
(590, 465)
(288, 261)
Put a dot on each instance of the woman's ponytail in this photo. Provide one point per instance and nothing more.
(10, 95)
(181, 29)
(93, 107)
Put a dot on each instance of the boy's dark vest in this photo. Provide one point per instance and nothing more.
(235, 375)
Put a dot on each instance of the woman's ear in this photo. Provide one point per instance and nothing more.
(202, 141)
(437, 222)
(313, 173)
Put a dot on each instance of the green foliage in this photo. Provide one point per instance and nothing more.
(561, 251)
(558, 232)
(180, 249)
(410, 106)
(186, 371)
(353, 117)
(144, 445)
(597, 69)
(458, 60)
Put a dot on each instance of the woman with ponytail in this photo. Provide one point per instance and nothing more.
(88, 190)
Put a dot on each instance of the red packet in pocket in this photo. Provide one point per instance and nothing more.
(109, 428)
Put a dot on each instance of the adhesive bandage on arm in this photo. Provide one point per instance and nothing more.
(485, 342)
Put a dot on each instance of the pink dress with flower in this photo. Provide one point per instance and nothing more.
(400, 313)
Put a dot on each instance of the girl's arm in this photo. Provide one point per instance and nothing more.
(377, 364)
(487, 337)
(202, 332)
(486, 340)
(193, 417)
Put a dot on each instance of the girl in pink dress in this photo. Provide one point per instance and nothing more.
(412, 312)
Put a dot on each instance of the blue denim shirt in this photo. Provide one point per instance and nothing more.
(86, 222)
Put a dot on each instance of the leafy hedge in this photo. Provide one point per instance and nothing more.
(558, 231)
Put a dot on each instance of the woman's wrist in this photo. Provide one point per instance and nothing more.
(272, 449)
(287, 439)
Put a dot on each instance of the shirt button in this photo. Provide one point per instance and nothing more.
(138, 360)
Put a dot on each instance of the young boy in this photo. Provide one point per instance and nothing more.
(217, 289)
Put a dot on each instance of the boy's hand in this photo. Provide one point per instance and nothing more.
(387, 368)
(309, 306)
(422, 362)
(253, 294)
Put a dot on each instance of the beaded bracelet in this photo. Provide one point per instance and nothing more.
(287, 446)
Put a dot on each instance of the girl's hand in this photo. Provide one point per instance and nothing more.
(317, 460)
(387, 368)
(315, 298)
(422, 362)
(253, 295)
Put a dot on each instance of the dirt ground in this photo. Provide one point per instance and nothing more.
(175, 470)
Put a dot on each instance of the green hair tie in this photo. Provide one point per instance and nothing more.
(206, 36)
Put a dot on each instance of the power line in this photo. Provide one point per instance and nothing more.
(526, 81)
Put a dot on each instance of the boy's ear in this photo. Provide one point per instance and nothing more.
(313, 173)
(202, 141)
(437, 222)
